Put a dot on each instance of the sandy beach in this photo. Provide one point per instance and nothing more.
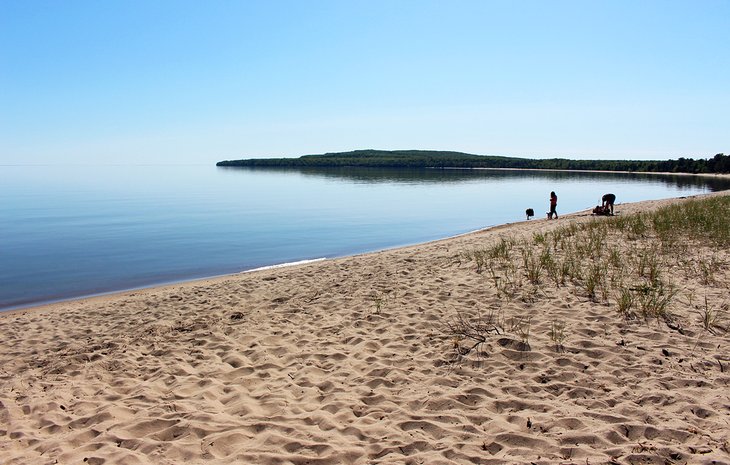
(434, 354)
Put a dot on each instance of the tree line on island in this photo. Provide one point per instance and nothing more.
(720, 163)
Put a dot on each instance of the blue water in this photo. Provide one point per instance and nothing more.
(72, 231)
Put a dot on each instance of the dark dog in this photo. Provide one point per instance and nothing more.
(529, 212)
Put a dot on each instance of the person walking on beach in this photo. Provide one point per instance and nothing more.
(553, 206)
(607, 201)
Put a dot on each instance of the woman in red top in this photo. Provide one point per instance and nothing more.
(553, 205)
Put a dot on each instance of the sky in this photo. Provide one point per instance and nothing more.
(166, 82)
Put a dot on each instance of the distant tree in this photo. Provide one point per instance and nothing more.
(443, 159)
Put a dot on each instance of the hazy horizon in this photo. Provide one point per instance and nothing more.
(199, 163)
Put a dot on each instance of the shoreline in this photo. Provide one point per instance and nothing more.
(662, 173)
(407, 355)
(103, 296)
(128, 284)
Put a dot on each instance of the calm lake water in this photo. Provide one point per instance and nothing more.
(83, 230)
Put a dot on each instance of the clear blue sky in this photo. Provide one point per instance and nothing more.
(201, 81)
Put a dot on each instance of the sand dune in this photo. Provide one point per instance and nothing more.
(352, 361)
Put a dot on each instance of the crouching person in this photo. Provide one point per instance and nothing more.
(607, 202)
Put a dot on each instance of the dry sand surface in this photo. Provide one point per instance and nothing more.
(352, 361)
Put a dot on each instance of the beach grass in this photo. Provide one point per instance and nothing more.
(622, 262)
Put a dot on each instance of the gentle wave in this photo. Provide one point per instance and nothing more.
(282, 265)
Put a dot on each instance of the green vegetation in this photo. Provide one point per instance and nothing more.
(638, 264)
(720, 163)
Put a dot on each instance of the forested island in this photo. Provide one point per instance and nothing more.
(720, 163)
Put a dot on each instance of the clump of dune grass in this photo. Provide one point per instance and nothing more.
(495, 255)
(532, 265)
(557, 335)
(380, 301)
(625, 303)
(712, 317)
(653, 301)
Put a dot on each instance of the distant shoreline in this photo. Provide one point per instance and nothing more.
(660, 173)
(720, 163)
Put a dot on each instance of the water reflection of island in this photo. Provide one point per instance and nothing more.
(459, 175)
